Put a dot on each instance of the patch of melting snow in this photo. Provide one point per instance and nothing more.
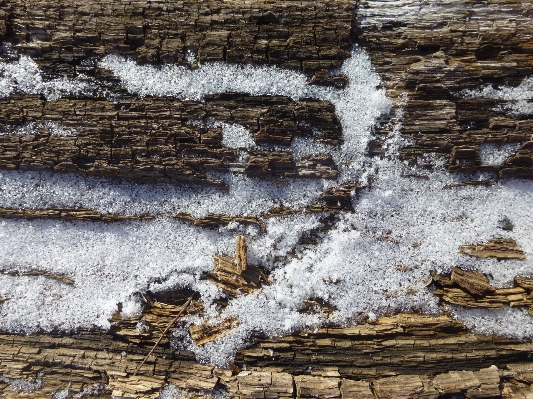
(24, 76)
(496, 154)
(53, 128)
(519, 99)
(356, 268)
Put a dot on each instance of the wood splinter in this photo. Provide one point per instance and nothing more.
(499, 248)
(234, 275)
(164, 332)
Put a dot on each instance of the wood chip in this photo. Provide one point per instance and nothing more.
(474, 282)
(212, 330)
(500, 248)
(524, 282)
(234, 275)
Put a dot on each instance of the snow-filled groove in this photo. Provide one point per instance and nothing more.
(353, 269)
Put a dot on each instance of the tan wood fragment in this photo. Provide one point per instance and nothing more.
(234, 275)
(212, 330)
(240, 255)
(524, 282)
(500, 248)
(474, 282)
(472, 290)
(36, 272)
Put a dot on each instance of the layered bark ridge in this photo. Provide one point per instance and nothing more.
(163, 140)
(406, 355)
(312, 36)
(432, 53)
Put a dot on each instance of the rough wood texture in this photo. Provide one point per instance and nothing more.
(313, 36)
(432, 53)
(429, 55)
(155, 140)
(473, 290)
(407, 355)
(499, 248)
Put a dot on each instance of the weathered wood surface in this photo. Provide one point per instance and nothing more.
(403, 356)
(430, 55)
(472, 289)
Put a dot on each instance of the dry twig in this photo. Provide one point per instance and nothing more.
(164, 332)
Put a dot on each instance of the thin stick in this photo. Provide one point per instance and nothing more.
(164, 332)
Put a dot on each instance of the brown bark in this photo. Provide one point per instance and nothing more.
(431, 58)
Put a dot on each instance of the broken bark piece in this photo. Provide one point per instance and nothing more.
(234, 275)
(67, 214)
(472, 289)
(500, 248)
(524, 282)
(214, 220)
(231, 265)
(443, 280)
(240, 255)
(251, 279)
(212, 330)
(456, 296)
(474, 282)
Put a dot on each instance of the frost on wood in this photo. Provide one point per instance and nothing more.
(361, 248)
(393, 225)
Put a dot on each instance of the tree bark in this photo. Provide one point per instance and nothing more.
(427, 57)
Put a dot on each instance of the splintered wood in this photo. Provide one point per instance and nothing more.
(234, 275)
(212, 330)
(472, 289)
(474, 282)
(500, 248)
(36, 272)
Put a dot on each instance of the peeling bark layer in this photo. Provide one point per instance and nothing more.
(407, 355)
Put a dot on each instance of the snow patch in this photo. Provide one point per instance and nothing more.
(496, 154)
(25, 77)
(54, 129)
(519, 99)
(506, 322)
(237, 136)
